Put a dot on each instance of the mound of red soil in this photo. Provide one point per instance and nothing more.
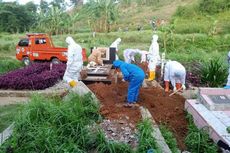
(164, 109)
(112, 98)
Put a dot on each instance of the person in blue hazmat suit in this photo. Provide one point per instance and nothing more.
(135, 76)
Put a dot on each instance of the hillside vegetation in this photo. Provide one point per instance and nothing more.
(191, 32)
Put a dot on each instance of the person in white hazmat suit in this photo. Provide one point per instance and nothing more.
(129, 55)
(143, 55)
(175, 73)
(74, 62)
(115, 45)
(228, 82)
(153, 57)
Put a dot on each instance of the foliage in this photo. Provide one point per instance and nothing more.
(102, 14)
(7, 65)
(7, 114)
(16, 18)
(186, 11)
(214, 6)
(54, 125)
(146, 140)
(213, 73)
(50, 125)
(198, 140)
(169, 138)
(35, 77)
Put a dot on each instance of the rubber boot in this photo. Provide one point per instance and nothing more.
(151, 73)
(154, 75)
(166, 86)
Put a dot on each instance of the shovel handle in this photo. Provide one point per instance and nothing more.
(175, 92)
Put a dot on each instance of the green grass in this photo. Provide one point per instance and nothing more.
(169, 138)
(55, 125)
(181, 47)
(8, 64)
(198, 140)
(7, 115)
(146, 140)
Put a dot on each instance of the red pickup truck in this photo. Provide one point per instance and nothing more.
(39, 47)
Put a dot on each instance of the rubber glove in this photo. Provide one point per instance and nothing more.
(73, 83)
(174, 89)
(183, 87)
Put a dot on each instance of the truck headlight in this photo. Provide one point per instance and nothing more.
(17, 51)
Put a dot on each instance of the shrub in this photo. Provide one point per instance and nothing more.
(214, 6)
(213, 73)
(198, 140)
(7, 65)
(34, 77)
(169, 138)
(146, 140)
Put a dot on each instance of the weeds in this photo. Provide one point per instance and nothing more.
(7, 65)
(213, 73)
(53, 125)
(169, 138)
(198, 140)
(146, 140)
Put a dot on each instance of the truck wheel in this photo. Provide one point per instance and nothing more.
(26, 61)
(55, 61)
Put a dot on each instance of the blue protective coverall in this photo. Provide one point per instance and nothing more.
(134, 75)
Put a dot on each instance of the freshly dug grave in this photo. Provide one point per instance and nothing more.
(164, 109)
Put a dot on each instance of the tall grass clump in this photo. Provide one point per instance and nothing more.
(146, 139)
(50, 125)
(7, 65)
(56, 125)
(213, 73)
(198, 140)
(169, 138)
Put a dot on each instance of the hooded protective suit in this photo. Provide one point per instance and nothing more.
(129, 55)
(115, 45)
(154, 48)
(143, 55)
(74, 61)
(228, 83)
(175, 73)
(153, 57)
(134, 75)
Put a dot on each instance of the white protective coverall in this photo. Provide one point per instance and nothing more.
(129, 55)
(175, 73)
(74, 61)
(154, 48)
(143, 55)
(228, 83)
(154, 57)
(115, 45)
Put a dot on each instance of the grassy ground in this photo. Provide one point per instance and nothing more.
(181, 47)
(7, 114)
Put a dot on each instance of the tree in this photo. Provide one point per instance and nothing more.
(44, 6)
(15, 18)
(31, 7)
(102, 14)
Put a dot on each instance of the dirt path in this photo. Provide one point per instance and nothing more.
(165, 110)
(12, 100)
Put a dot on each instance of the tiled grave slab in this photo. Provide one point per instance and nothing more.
(215, 99)
(215, 121)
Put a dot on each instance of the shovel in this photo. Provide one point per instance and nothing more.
(175, 92)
